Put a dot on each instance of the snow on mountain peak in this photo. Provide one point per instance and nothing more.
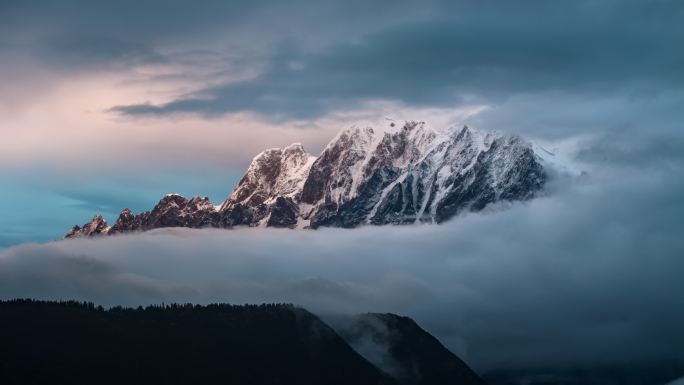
(399, 174)
(273, 173)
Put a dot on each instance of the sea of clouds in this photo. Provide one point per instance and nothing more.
(589, 273)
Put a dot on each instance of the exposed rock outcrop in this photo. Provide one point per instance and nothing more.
(398, 175)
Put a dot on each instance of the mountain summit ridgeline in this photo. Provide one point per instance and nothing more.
(402, 175)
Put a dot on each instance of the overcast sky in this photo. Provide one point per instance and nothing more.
(105, 105)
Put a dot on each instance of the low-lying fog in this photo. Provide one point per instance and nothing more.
(591, 273)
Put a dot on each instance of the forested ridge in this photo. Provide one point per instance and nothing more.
(72, 342)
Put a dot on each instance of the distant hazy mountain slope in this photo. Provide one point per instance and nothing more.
(403, 349)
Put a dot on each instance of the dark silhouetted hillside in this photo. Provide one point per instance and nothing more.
(79, 343)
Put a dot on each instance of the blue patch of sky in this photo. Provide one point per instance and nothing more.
(38, 207)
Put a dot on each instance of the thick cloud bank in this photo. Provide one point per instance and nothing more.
(592, 273)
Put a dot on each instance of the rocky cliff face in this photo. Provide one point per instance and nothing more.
(96, 226)
(172, 210)
(409, 174)
(269, 192)
(416, 174)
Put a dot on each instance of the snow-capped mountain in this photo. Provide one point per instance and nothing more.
(397, 175)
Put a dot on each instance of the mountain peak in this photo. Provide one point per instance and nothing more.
(272, 174)
(96, 226)
(402, 174)
(296, 147)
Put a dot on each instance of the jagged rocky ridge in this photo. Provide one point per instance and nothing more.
(402, 175)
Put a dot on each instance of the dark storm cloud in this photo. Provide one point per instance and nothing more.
(484, 51)
(44, 44)
(319, 56)
(588, 274)
(79, 34)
